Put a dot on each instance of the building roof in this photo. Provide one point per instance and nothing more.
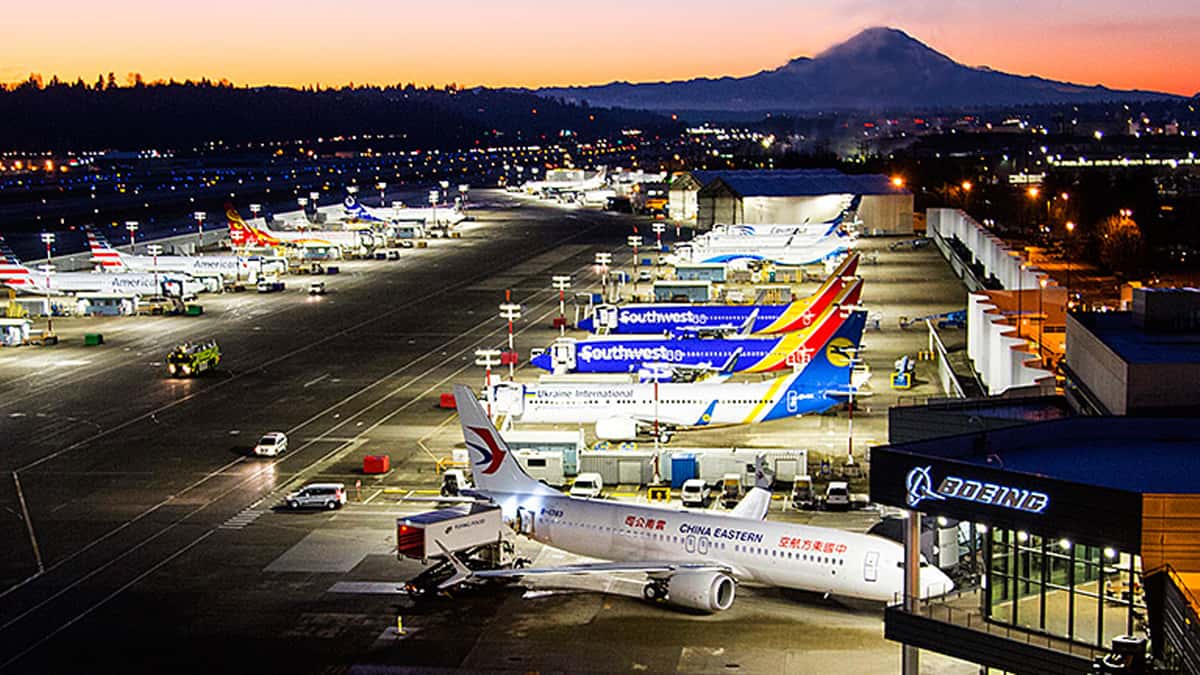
(797, 182)
(1138, 345)
(1147, 455)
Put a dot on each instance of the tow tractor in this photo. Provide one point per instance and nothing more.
(902, 376)
(473, 534)
(956, 319)
(192, 358)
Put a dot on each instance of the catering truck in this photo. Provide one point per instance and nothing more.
(474, 534)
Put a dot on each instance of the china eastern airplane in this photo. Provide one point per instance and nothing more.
(690, 559)
(16, 275)
(111, 260)
(447, 215)
(620, 410)
(242, 233)
(840, 287)
(806, 253)
(678, 356)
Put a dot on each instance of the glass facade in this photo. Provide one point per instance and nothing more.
(1087, 594)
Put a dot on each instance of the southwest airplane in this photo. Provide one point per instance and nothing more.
(242, 233)
(840, 287)
(448, 215)
(618, 410)
(111, 260)
(631, 354)
(690, 559)
(17, 276)
(805, 253)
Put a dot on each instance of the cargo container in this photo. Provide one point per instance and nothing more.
(456, 529)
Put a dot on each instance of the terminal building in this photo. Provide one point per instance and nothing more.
(1079, 514)
(705, 198)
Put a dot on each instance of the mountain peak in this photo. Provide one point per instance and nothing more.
(881, 43)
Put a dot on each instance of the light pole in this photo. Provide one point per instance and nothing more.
(48, 239)
(254, 210)
(302, 202)
(433, 201)
(199, 216)
(463, 188)
(313, 197)
(487, 358)
(132, 226)
(1041, 320)
(603, 258)
(510, 311)
(155, 250)
(1020, 288)
(1033, 193)
(562, 283)
(966, 193)
(1070, 230)
(658, 228)
(634, 242)
(382, 187)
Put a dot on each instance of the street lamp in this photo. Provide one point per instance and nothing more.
(510, 311)
(199, 216)
(463, 188)
(561, 284)
(1020, 289)
(254, 210)
(433, 202)
(132, 226)
(382, 187)
(603, 258)
(155, 250)
(966, 193)
(634, 242)
(1041, 320)
(487, 358)
(658, 228)
(1070, 230)
(48, 239)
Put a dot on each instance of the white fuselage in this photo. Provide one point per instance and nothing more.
(225, 266)
(133, 283)
(803, 557)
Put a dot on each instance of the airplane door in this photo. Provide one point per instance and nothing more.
(871, 566)
(562, 356)
(606, 318)
(510, 399)
(525, 521)
(702, 546)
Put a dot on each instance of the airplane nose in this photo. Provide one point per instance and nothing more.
(935, 582)
(541, 361)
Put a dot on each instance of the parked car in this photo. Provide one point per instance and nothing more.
(588, 485)
(316, 288)
(694, 493)
(454, 481)
(318, 496)
(272, 444)
(837, 496)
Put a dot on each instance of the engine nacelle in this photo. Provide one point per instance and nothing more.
(701, 590)
(616, 429)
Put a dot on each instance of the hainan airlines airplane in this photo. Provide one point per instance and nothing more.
(242, 233)
(17, 276)
(647, 319)
(111, 260)
(619, 410)
(691, 559)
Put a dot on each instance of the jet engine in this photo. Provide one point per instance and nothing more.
(705, 591)
(616, 429)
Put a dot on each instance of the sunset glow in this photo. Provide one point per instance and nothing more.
(533, 43)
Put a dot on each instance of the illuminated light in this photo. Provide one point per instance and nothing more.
(897, 181)
(966, 185)
(1022, 537)
(942, 522)
(1064, 544)
(981, 528)
(1070, 226)
(1110, 552)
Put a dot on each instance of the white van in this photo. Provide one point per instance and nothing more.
(694, 493)
(837, 496)
(588, 485)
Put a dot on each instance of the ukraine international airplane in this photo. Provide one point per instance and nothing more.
(619, 410)
(690, 559)
(840, 287)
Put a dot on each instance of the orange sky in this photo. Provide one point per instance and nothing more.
(1152, 45)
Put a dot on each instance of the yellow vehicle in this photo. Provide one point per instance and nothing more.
(192, 358)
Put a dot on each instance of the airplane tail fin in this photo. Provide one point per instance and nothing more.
(747, 326)
(494, 468)
(832, 363)
(12, 271)
(103, 254)
(240, 233)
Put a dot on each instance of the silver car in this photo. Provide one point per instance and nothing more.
(318, 495)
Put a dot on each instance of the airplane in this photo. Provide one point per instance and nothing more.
(840, 287)
(805, 253)
(691, 559)
(555, 187)
(242, 233)
(619, 410)
(110, 259)
(678, 356)
(17, 276)
(446, 215)
(768, 235)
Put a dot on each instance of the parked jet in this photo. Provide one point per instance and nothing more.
(111, 260)
(345, 241)
(840, 287)
(690, 559)
(447, 215)
(16, 275)
(631, 354)
(787, 253)
(620, 410)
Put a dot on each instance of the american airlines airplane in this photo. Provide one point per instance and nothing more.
(242, 233)
(690, 559)
(448, 215)
(646, 319)
(633, 353)
(16, 275)
(111, 260)
(619, 410)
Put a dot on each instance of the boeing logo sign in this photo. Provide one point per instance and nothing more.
(919, 485)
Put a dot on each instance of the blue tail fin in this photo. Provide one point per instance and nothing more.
(832, 363)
